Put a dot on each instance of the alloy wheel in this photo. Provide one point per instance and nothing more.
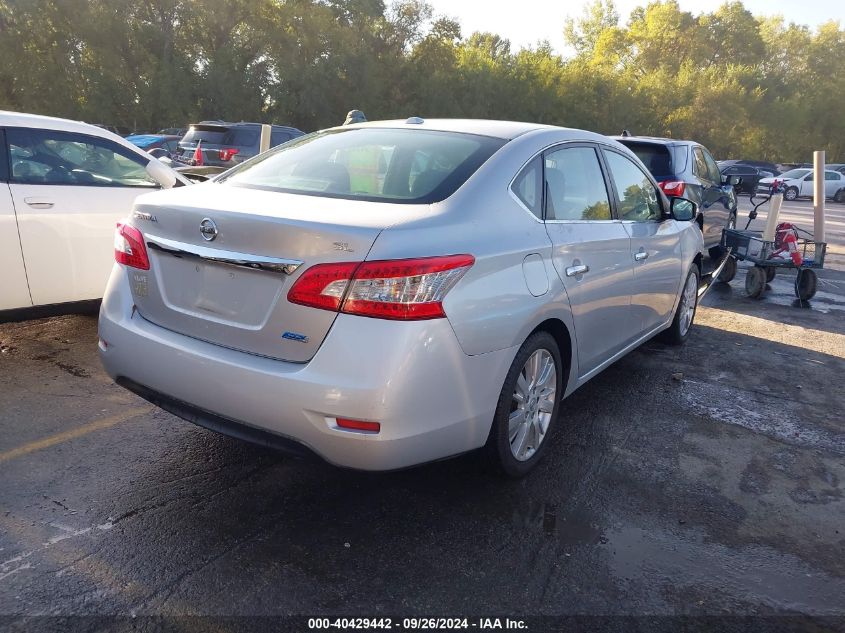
(532, 404)
(688, 304)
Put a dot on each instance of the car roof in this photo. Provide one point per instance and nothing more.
(241, 124)
(506, 130)
(657, 140)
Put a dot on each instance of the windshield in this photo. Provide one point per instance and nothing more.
(375, 164)
(794, 174)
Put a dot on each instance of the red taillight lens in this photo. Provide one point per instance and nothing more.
(403, 289)
(358, 425)
(129, 248)
(673, 187)
(227, 153)
(323, 285)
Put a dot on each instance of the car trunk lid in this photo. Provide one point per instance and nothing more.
(223, 258)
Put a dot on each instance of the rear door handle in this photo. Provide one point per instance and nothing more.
(39, 203)
(572, 271)
(640, 256)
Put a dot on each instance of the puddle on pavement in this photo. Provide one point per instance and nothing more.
(760, 574)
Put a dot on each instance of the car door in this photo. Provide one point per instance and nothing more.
(806, 188)
(69, 190)
(833, 181)
(655, 243)
(14, 290)
(591, 253)
(717, 200)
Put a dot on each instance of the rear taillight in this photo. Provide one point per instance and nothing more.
(402, 289)
(673, 187)
(227, 153)
(129, 248)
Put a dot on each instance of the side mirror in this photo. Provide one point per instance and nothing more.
(161, 173)
(682, 210)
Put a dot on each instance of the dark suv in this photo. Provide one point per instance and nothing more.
(228, 144)
(686, 169)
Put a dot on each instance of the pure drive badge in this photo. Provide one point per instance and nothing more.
(295, 336)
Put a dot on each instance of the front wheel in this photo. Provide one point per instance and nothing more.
(755, 282)
(805, 284)
(682, 323)
(728, 271)
(528, 406)
(791, 193)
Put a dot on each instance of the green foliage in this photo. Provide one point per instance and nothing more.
(741, 85)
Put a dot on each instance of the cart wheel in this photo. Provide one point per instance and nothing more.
(755, 282)
(805, 284)
(729, 270)
(771, 271)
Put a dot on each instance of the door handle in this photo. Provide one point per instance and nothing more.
(39, 203)
(572, 271)
(640, 256)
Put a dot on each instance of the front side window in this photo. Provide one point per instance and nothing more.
(374, 164)
(575, 188)
(636, 198)
(48, 157)
(712, 168)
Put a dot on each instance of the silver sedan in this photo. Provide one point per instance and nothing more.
(392, 293)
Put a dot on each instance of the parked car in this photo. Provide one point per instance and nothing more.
(686, 168)
(759, 164)
(392, 293)
(799, 183)
(840, 167)
(748, 176)
(64, 186)
(228, 144)
(169, 143)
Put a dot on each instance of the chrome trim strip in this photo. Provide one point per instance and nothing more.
(230, 258)
(709, 279)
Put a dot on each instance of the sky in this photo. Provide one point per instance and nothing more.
(536, 20)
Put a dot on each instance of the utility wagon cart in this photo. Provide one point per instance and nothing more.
(769, 256)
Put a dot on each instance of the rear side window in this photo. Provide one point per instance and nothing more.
(657, 158)
(375, 164)
(4, 164)
(277, 137)
(242, 137)
(575, 188)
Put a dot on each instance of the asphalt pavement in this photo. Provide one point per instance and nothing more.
(701, 480)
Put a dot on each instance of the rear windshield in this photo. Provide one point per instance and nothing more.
(221, 135)
(205, 133)
(409, 166)
(656, 158)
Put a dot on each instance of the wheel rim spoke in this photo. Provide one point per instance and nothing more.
(532, 404)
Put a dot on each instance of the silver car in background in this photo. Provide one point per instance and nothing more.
(392, 293)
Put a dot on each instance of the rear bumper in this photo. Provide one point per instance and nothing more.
(432, 400)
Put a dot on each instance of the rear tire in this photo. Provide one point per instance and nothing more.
(528, 406)
(755, 282)
(839, 196)
(685, 313)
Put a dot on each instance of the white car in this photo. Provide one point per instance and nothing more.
(63, 187)
(799, 183)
